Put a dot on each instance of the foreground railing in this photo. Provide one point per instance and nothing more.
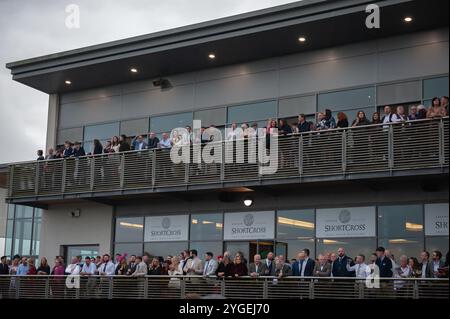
(384, 148)
(166, 287)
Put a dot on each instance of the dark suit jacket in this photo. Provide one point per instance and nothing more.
(309, 268)
(4, 269)
(340, 267)
(266, 270)
(285, 271)
(385, 267)
(325, 272)
(79, 152)
(429, 270)
(252, 269)
(68, 152)
(304, 127)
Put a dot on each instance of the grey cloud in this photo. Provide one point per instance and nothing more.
(34, 28)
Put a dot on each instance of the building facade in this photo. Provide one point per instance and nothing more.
(342, 72)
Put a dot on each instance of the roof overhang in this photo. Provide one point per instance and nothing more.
(251, 36)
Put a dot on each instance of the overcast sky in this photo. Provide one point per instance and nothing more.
(30, 28)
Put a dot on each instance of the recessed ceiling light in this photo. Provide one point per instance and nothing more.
(212, 56)
(67, 82)
(248, 202)
(302, 39)
(134, 70)
(408, 19)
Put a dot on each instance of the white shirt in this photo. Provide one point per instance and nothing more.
(302, 271)
(107, 269)
(73, 269)
(231, 135)
(361, 270)
(165, 143)
(91, 269)
(424, 269)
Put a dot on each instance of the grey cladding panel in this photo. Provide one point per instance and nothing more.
(238, 89)
(71, 134)
(329, 75)
(134, 127)
(90, 112)
(426, 60)
(217, 117)
(295, 106)
(399, 93)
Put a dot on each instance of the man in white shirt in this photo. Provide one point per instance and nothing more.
(210, 265)
(232, 133)
(89, 267)
(73, 268)
(107, 268)
(360, 268)
(165, 142)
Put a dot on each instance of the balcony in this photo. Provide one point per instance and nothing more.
(366, 152)
(196, 287)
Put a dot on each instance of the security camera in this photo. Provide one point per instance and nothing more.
(75, 213)
(162, 83)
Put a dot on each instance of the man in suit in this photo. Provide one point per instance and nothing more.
(340, 265)
(322, 268)
(141, 268)
(268, 267)
(255, 269)
(138, 143)
(68, 150)
(303, 125)
(384, 263)
(304, 266)
(426, 265)
(4, 270)
(437, 263)
(78, 150)
(210, 265)
(282, 269)
(194, 265)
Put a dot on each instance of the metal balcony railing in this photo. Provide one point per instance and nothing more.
(176, 287)
(386, 148)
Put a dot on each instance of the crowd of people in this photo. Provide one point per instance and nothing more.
(324, 121)
(381, 263)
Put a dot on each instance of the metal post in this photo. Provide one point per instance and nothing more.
(441, 143)
(311, 289)
(391, 146)
(223, 288)
(17, 283)
(110, 290)
(122, 171)
(182, 288)
(63, 182)
(91, 186)
(186, 168)
(361, 285)
(222, 165)
(154, 168)
(344, 152)
(145, 288)
(47, 288)
(300, 156)
(416, 289)
(265, 289)
(36, 178)
(11, 180)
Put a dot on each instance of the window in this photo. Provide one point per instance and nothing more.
(71, 134)
(400, 229)
(437, 243)
(23, 231)
(129, 249)
(165, 124)
(250, 113)
(435, 87)
(347, 100)
(291, 247)
(165, 249)
(206, 227)
(295, 224)
(83, 251)
(129, 229)
(352, 246)
(101, 132)
(134, 127)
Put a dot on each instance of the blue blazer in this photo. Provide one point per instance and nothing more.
(309, 268)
